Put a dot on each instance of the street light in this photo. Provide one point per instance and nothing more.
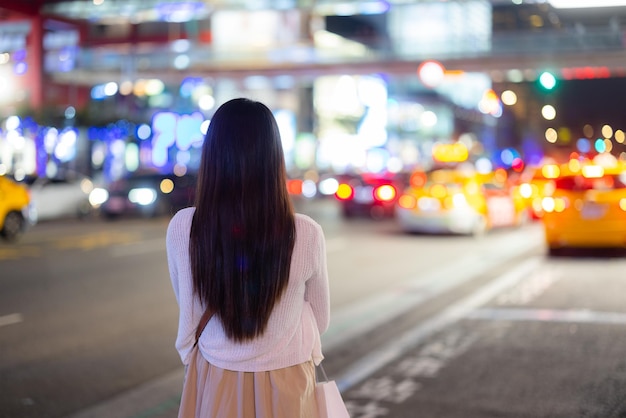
(548, 112)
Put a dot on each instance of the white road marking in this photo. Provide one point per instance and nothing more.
(550, 315)
(355, 319)
(136, 248)
(11, 319)
(369, 399)
(380, 357)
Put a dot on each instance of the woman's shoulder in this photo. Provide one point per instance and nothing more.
(306, 223)
(184, 214)
(181, 219)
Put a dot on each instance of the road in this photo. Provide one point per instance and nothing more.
(422, 326)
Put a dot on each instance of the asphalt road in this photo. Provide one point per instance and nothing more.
(422, 326)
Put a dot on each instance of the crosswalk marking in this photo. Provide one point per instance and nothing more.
(382, 356)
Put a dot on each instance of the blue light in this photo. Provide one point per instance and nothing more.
(583, 145)
(600, 146)
(20, 68)
(180, 11)
(19, 55)
(508, 155)
(188, 85)
(97, 92)
(164, 136)
(189, 130)
(144, 132)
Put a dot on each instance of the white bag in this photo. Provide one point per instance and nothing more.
(329, 400)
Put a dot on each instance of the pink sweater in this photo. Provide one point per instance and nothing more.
(293, 333)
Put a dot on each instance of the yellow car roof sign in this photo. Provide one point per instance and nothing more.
(551, 171)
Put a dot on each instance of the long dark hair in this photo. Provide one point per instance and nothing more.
(243, 230)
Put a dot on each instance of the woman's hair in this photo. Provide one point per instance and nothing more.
(243, 230)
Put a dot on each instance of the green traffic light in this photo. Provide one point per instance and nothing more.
(547, 80)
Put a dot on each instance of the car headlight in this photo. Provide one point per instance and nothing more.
(142, 196)
(459, 201)
(98, 196)
(526, 190)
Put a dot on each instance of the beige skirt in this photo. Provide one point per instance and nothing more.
(212, 392)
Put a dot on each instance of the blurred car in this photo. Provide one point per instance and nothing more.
(458, 202)
(368, 194)
(15, 215)
(54, 198)
(586, 207)
(533, 185)
(145, 194)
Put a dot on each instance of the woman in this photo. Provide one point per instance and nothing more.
(256, 269)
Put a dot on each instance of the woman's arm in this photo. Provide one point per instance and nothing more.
(317, 291)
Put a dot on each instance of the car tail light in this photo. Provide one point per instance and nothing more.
(418, 179)
(344, 192)
(593, 171)
(547, 204)
(294, 186)
(385, 193)
(526, 190)
(556, 204)
(551, 171)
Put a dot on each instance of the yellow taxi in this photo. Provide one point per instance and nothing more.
(459, 201)
(586, 205)
(14, 209)
(533, 185)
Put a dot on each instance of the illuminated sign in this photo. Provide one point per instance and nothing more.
(450, 153)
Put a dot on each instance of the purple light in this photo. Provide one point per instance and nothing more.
(20, 68)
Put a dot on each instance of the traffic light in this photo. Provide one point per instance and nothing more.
(547, 80)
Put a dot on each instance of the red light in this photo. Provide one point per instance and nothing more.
(603, 72)
(385, 193)
(418, 179)
(517, 165)
(294, 186)
(431, 73)
(586, 73)
(344, 192)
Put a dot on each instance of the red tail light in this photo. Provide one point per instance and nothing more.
(385, 193)
(294, 186)
(344, 192)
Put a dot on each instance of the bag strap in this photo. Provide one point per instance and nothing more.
(319, 366)
(206, 316)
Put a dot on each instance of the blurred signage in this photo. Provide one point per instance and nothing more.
(437, 28)
(13, 35)
(450, 153)
(245, 30)
(60, 48)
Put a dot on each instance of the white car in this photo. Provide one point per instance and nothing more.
(60, 198)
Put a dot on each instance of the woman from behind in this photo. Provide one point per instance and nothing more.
(250, 278)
